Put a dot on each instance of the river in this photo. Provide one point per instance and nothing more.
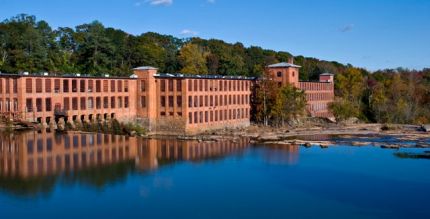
(51, 175)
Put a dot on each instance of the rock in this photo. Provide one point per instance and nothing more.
(323, 146)
(269, 137)
(307, 144)
(390, 146)
(359, 143)
(426, 128)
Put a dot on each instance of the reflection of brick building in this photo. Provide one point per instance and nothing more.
(42, 154)
(318, 93)
(165, 103)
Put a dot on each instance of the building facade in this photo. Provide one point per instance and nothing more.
(319, 94)
(163, 103)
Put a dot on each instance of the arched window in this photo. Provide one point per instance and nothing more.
(279, 74)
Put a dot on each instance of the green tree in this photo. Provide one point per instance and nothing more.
(193, 59)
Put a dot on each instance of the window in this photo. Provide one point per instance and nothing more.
(112, 86)
(170, 101)
(39, 85)
(90, 103)
(66, 103)
(206, 85)
(29, 104)
(90, 86)
(48, 104)
(98, 102)
(201, 101)
(126, 102)
(82, 86)
(143, 101)
(74, 103)
(65, 86)
(195, 117)
(142, 86)
(190, 85)
(294, 73)
(38, 104)
(119, 102)
(178, 85)
(190, 117)
(119, 86)
(74, 86)
(83, 103)
(163, 101)
(105, 102)
(190, 101)
(179, 101)
(28, 86)
(48, 85)
(206, 116)
(170, 85)
(125, 86)
(105, 86)
(201, 85)
(112, 102)
(162, 85)
(98, 86)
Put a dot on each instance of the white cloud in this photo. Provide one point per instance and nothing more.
(188, 32)
(154, 2)
(160, 2)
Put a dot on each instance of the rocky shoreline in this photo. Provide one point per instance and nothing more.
(353, 135)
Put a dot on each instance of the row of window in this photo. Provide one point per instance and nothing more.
(279, 74)
(6, 83)
(9, 105)
(218, 100)
(218, 85)
(75, 85)
(319, 96)
(315, 86)
(68, 161)
(217, 115)
(45, 104)
(90, 140)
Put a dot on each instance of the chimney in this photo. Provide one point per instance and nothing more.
(291, 60)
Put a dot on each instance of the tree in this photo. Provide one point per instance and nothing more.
(289, 103)
(193, 59)
(95, 48)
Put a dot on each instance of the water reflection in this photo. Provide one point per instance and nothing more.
(32, 163)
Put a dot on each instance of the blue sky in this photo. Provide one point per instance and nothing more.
(373, 34)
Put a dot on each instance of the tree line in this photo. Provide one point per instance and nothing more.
(31, 45)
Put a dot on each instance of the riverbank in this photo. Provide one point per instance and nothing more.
(310, 135)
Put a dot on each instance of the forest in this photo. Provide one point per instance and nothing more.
(30, 45)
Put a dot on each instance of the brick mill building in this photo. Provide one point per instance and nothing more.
(164, 103)
(319, 94)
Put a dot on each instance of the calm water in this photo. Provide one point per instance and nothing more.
(46, 175)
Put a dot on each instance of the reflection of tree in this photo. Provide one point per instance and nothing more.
(100, 176)
(30, 187)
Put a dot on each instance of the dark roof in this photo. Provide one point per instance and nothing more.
(180, 75)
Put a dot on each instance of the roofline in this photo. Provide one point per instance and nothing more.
(214, 77)
(61, 76)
